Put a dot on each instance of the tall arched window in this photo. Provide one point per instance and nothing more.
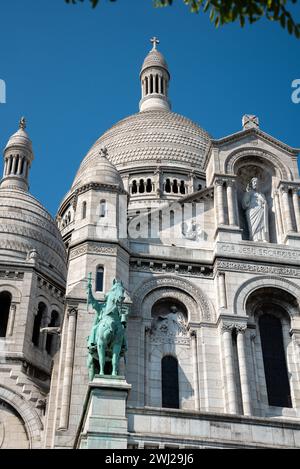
(142, 186)
(103, 208)
(182, 187)
(83, 210)
(149, 185)
(168, 186)
(37, 324)
(169, 382)
(50, 337)
(156, 84)
(99, 278)
(134, 187)
(276, 373)
(175, 186)
(5, 302)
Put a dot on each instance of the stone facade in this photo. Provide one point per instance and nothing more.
(202, 292)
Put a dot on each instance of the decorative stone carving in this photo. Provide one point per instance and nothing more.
(171, 328)
(91, 249)
(250, 121)
(261, 269)
(178, 286)
(255, 205)
(230, 326)
(233, 158)
(194, 232)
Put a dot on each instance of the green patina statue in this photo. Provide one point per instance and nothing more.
(107, 340)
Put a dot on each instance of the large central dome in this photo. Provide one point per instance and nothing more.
(150, 138)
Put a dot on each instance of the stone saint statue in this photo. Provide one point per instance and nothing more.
(107, 340)
(256, 207)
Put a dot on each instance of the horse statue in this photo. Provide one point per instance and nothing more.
(107, 340)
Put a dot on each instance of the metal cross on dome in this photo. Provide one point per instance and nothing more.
(154, 41)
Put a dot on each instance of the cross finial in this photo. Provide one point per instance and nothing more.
(154, 41)
(103, 152)
(22, 123)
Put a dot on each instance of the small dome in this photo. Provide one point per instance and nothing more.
(154, 59)
(25, 226)
(98, 170)
(19, 139)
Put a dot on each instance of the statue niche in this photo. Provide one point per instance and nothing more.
(169, 323)
(256, 208)
(107, 340)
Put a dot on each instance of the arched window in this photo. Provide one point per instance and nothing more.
(134, 187)
(102, 208)
(182, 187)
(50, 337)
(5, 302)
(276, 373)
(169, 382)
(142, 186)
(162, 86)
(149, 185)
(69, 217)
(151, 84)
(175, 186)
(22, 166)
(37, 324)
(172, 218)
(16, 164)
(83, 210)
(168, 186)
(147, 87)
(199, 187)
(99, 278)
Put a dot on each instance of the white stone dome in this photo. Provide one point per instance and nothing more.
(150, 138)
(154, 59)
(28, 230)
(98, 170)
(19, 139)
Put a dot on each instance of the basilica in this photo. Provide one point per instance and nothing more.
(204, 235)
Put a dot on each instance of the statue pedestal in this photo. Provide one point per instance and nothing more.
(103, 422)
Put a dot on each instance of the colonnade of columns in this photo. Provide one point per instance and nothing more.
(15, 165)
(230, 372)
(286, 205)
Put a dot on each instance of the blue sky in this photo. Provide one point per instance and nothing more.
(74, 72)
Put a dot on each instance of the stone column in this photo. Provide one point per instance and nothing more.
(146, 365)
(296, 207)
(286, 209)
(231, 194)
(11, 320)
(195, 366)
(229, 368)
(14, 164)
(245, 385)
(222, 290)
(278, 213)
(219, 194)
(19, 165)
(68, 368)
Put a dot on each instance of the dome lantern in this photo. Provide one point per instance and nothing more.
(155, 79)
(18, 156)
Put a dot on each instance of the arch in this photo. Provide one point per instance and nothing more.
(248, 287)
(38, 319)
(5, 303)
(28, 414)
(169, 382)
(83, 214)
(149, 185)
(50, 340)
(234, 158)
(134, 187)
(175, 186)
(275, 366)
(103, 209)
(141, 186)
(168, 186)
(151, 290)
(99, 278)
(14, 291)
(182, 187)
